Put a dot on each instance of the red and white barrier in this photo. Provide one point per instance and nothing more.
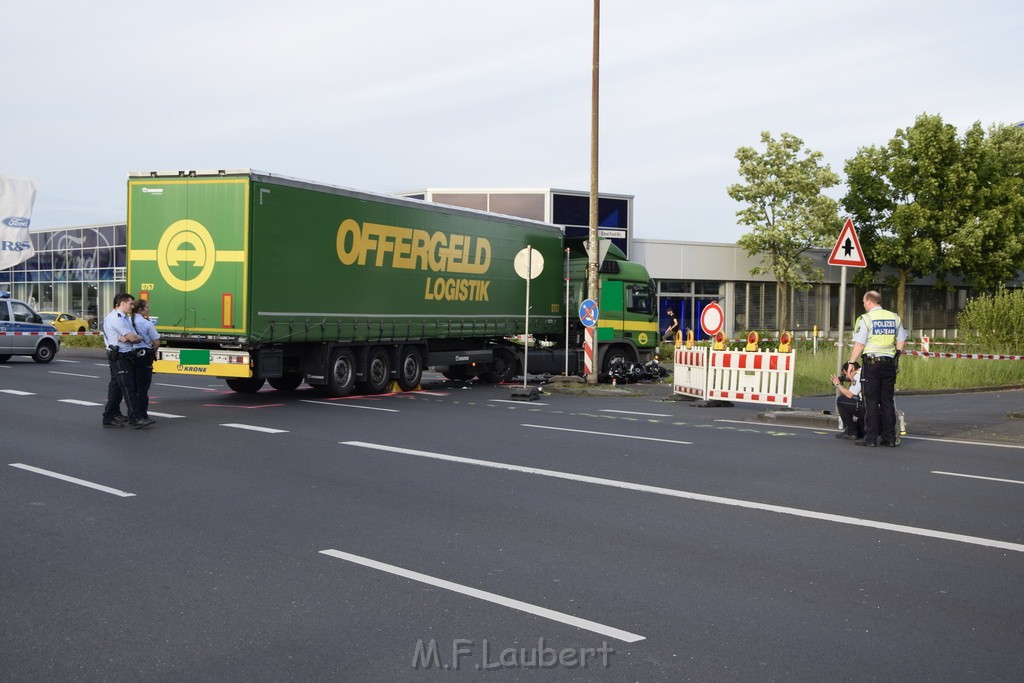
(690, 372)
(744, 376)
(752, 377)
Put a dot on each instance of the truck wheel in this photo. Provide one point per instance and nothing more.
(44, 352)
(4, 357)
(410, 372)
(287, 382)
(341, 373)
(378, 372)
(245, 385)
(503, 367)
(614, 353)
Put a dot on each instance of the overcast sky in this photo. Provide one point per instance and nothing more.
(389, 96)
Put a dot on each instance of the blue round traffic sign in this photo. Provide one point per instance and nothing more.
(588, 313)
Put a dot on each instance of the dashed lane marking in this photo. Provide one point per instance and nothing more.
(585, 624)
(73, 480)
(630, 412)
(254, 428)
(350, 405)
(975, 476)
(73, 374)
(620, 436)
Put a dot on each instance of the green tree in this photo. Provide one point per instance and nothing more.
(987, 248)
(787, 211)
(907, 198)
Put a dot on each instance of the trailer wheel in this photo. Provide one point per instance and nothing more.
(287, 382)
(341, 373)
(378, 372)
(245, 385)
(503, 367)
(410, 372)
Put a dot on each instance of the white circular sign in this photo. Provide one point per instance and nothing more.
(711, 319)
(529, 263)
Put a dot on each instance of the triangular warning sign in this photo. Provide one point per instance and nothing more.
(847, 251)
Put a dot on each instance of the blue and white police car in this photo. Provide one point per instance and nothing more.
(23, 332)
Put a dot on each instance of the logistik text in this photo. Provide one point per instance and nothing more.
(388, 246)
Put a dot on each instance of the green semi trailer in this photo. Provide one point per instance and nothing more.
(261, 278)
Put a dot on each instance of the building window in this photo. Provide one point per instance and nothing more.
(529, 206)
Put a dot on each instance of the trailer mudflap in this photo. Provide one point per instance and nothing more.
(213, 363)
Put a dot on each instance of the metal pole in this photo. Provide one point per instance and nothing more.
(566, 312)
(526, 340)
(592, 264)
(842, 328)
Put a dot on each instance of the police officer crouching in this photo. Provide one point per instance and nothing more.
(119, 336)
(878, 336)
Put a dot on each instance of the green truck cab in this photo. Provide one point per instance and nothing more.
(261, 278)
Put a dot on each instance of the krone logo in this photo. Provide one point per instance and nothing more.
(189, 243)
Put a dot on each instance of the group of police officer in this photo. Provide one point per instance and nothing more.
(131, 340)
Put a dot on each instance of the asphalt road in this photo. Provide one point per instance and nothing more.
(456, 533)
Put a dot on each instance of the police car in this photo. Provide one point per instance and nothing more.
(22, 332)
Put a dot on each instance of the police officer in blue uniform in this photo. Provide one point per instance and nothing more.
(879, 336)
(143, 353)
(119, 336)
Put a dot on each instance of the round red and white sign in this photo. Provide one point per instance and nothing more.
(712, 319)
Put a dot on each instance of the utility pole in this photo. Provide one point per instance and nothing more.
(592, 263)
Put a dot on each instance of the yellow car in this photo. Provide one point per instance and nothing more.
(64, 322)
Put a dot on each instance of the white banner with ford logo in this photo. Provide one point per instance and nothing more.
(17, 195)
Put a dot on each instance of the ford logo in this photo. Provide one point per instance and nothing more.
(16, 222)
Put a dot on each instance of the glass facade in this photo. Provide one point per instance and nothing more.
(74, 270)
(613, 216)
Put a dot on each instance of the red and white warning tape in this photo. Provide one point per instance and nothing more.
(972, 356)
(51, 334)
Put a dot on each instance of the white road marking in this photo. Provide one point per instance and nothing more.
(169, 416)
(76, 402)
(975, 476)
(902, 438)
(73, 480)
(351, 405)
(702, 497)
(185, 386)
(630, 412)
(16, 392)
(508, 400)
(61, 360)
(585, 624)
(73, 374)
(254, 428)
(621, 436)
